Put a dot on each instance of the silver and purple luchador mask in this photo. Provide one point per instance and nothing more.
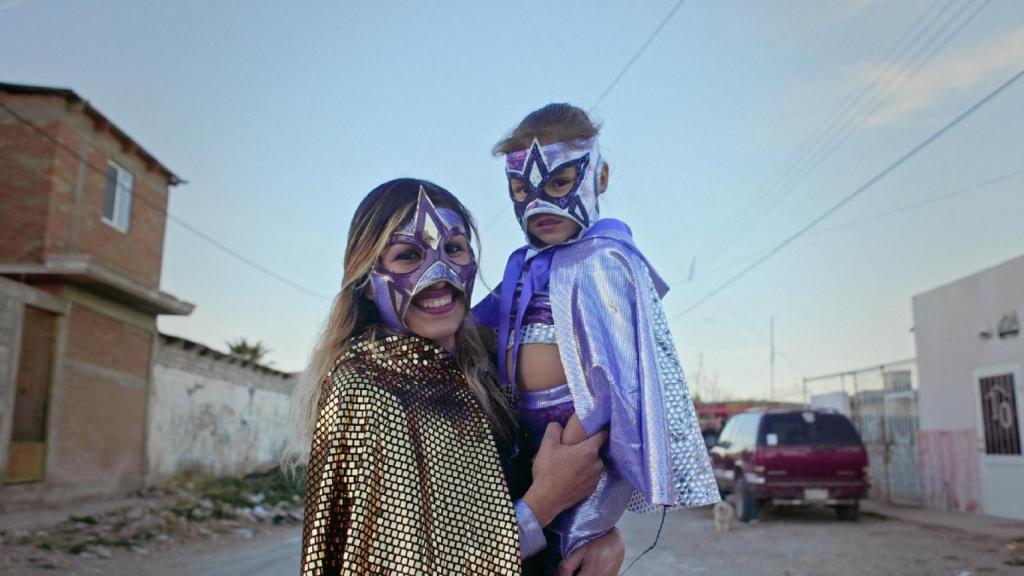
(538, 164)
(430, 229)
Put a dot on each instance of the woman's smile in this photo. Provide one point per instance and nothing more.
(439, 300)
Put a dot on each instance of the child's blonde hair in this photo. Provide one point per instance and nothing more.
(550, 124)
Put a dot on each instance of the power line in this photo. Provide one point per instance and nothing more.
(204, 236)
(611, 86)
(862, 107)
(877, 216)
(749, 326)
(637, 54)
(849, 197)
(920, 204)
(836, 131)
(862, 86)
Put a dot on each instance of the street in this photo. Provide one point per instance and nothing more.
(784, 543)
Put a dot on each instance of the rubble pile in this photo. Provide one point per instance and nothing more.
(191, 507)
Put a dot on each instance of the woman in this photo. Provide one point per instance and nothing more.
(404, 472)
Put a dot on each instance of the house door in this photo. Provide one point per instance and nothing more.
(27, 453)
(1000, 413)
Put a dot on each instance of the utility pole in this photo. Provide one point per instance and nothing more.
(771, 333)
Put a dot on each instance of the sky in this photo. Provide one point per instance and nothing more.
(282, 116)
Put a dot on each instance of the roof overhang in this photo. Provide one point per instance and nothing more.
(85, 272)
(100, 121)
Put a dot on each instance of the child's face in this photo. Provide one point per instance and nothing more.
(549, 228)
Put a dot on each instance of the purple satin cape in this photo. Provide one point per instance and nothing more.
(620, 362)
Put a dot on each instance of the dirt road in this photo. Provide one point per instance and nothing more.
(784, 543)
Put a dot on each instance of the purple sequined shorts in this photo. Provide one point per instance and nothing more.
(538, 408)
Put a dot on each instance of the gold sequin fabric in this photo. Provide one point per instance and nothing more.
(404, 476)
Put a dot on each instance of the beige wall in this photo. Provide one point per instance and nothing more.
(950, 352)
(212, 414)
(947, 321)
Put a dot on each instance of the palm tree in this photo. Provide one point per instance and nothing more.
(254, 352)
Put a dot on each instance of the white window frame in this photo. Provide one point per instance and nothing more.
(124, 186)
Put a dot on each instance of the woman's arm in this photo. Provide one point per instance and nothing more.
(600, 557)
(562, 476)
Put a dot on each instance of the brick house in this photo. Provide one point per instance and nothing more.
(82, 220)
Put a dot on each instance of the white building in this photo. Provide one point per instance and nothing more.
(970, 356)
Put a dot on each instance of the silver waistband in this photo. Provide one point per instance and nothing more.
(536, 334)
(536, 399)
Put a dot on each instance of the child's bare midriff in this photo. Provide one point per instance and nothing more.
(540, 368)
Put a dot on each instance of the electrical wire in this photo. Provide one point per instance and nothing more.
(861, 87)
(857, 192)
(637, 54)
(886, 82)
(199, 233)
(977, 186)
(608, 89)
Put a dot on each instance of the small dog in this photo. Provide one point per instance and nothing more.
(725, 517)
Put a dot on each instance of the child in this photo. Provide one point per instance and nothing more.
(583, 339)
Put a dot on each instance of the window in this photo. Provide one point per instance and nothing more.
(999, 413)
(808, 428)
(740, 431)
(117, 202)
(729, 431)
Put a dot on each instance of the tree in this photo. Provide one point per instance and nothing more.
(255, 352)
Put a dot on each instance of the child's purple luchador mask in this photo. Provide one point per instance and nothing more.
(538, 164)
(430, 228)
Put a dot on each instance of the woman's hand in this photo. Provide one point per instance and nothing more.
(600, 557)
(563, 475)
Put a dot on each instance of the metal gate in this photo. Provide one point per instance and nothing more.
(901, 445)
(883, 407)
(887, 422)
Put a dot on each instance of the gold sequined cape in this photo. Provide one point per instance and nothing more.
(404, 475)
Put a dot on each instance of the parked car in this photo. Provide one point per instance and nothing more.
(791, 457)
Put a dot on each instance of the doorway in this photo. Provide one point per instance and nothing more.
(26, 458)
(1000, 414)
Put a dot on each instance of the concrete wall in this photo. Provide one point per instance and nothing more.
(948, 323)
(211, 413)
(10, 316)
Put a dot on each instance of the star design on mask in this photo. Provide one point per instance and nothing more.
(427, 225)
(535, 169)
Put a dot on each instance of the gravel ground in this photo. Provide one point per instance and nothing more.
(784, 543)
(799, 542)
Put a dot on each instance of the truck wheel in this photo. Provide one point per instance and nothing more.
(848, 512)
(746, 504)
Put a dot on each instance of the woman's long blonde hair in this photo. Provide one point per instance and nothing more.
(383, 211)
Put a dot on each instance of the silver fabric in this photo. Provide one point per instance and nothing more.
(537, 334)
(536, 399)
(624, 373)
(531, 533)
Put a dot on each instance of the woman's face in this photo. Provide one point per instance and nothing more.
(438, 310)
